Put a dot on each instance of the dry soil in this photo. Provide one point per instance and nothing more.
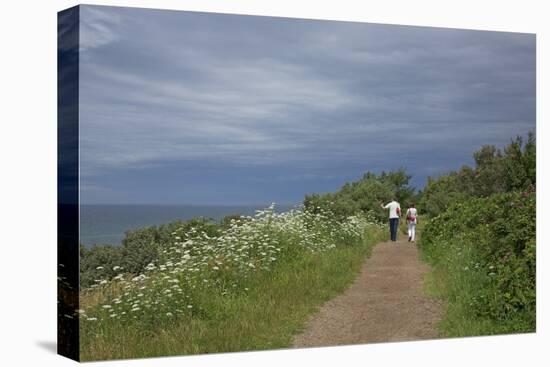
(386, 303)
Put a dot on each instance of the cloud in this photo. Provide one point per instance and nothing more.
(98, 27)
(321, 98)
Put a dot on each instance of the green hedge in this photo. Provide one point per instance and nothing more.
(483, 256)
(139, 247)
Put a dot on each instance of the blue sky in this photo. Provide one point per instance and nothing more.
(204, 108)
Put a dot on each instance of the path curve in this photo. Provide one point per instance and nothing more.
(386, 303)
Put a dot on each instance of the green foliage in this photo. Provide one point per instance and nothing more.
(229, 219)
(97, 263)
(446, 190)
(275, 308)
(364, 195)
(483, 253)
(249, 283)
(250, 287)
(495, 172)
(520, 164)
(139, 247)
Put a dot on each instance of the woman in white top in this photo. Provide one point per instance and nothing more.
(412, 220)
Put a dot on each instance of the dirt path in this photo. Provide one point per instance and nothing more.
(385, 303)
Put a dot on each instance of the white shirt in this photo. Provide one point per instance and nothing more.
(393, 205)
(413, 213)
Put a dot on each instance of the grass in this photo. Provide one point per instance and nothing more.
(458, 320)
(456, 287)
(275, 308)
(482, 255)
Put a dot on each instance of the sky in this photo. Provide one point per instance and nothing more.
(214, 109)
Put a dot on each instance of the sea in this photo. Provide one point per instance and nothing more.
(107, 224)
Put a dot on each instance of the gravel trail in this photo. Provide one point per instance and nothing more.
(386, 303)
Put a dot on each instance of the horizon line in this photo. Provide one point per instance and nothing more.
(194, 204)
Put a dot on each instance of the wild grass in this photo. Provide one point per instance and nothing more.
(252, 288)
(456, 287)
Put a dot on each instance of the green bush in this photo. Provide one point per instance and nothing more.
(483, 256)
(228, 220)
(139, 248)
(97, 263)
(496, 171)
(364, 195)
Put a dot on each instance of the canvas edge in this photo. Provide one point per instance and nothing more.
(68, 43)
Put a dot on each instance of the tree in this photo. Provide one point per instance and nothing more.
(496, 171)
(364, 195)
(520, 164)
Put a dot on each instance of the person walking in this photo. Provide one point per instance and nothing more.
(395, 213)
(412, 220)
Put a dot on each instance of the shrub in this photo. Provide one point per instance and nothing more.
(483, 250)
(139, 247)
(97, 263)
(496, 171)
(364, 195)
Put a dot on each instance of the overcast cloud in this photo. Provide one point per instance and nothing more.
(181, 107)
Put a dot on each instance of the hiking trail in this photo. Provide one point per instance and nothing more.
(386, 303)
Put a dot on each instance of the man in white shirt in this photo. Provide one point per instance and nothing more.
(395, 213)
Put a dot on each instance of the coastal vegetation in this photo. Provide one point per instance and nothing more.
(365, 195)
(250, 282)
(249, 285)
(138, 248)
(481, 242)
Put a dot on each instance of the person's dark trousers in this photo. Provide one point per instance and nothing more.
(394, 223)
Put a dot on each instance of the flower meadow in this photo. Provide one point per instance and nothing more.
(196, 268)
